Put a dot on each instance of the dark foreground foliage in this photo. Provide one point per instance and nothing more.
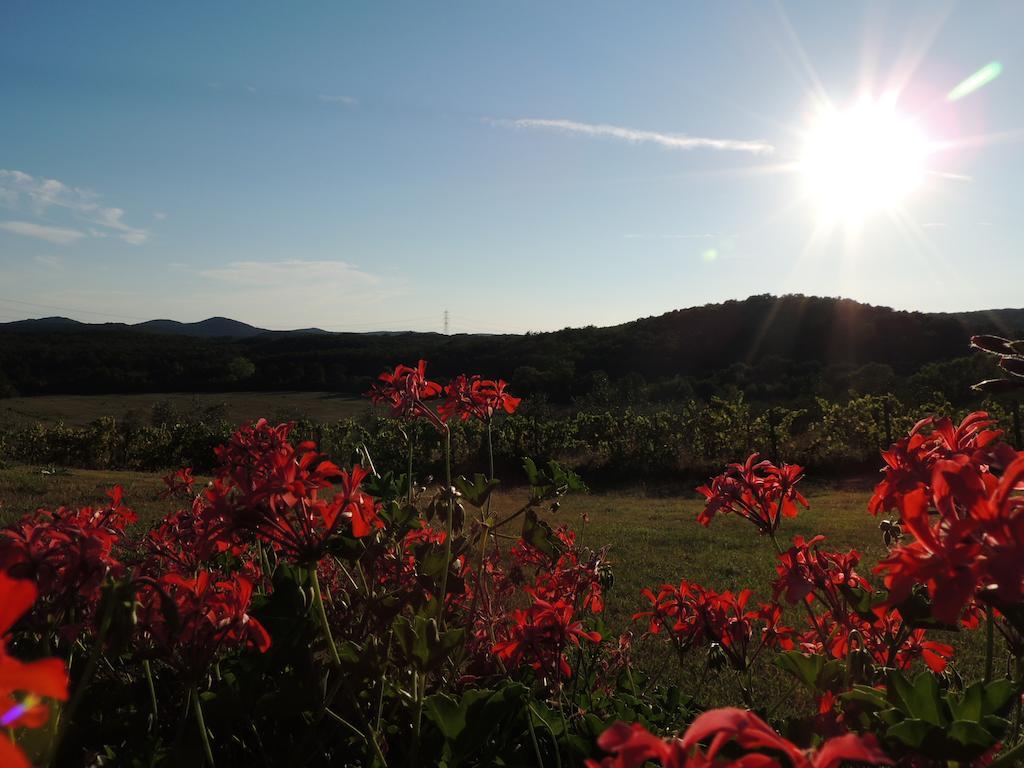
(296, 612)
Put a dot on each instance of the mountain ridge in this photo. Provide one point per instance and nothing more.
(1008, 319)
(771, 347)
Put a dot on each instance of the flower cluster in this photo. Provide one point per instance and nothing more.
(540, 635)
(67, 553)
(476, 397)
(271, 490)
(404, 390)
(444, 637)
(23, 685)
(846, 620)
(967, 521)
(692, 615)
(726, 732)
(756, 490)
(187, 621)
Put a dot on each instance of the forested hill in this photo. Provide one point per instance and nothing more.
(790, 341)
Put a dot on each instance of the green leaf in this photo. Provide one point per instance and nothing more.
(968, 705)
(477, 491)
(422, 643)
(804, 667)
(911, 732)
(997, 696)
(538, 534)
(449, 715)
(970, 734)
(927, 701)
(566, 479)
(899, 691)
(863, 601)
(532, 473)
(867, 695)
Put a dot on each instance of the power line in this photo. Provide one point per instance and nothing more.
(71, 309)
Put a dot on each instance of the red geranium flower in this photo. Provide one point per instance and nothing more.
(68, 553)
(269, 488)
(968, 528)
(694, 615)
(404, 390)
(762, 747)
(476, 397)
(179, 484)
(188, 621)
(539, 636)
(757, 490)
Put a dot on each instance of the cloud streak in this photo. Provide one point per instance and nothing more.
(326, 98)
(335, 274)
(23, 192)
(58, 235)
(636, 136)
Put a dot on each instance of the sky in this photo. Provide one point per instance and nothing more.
(524, 166)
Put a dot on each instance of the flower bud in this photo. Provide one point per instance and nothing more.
(1014, 365)
(998, 386)
(997, 345)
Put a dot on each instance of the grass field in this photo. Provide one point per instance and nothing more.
(237, 406)
(651, 540)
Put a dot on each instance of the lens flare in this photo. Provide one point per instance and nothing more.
(18, 710)
(979, 79)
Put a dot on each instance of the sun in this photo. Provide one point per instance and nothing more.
(862, 160)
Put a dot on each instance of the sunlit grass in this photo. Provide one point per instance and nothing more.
(651, 538)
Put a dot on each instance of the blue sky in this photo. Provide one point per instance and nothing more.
(369, 165)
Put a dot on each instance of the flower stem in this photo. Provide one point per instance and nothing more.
(490, 458)
(68, 713)
(485, 536)
(197, 710)
(419, 686)
(321, 614)
(339, 683)
(533, 736)
(152, 691)
(408, 475)
(1011, 757)
(989, 642)
(448, 528)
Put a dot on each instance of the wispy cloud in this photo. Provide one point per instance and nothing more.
(327, 98)
(294, 293)
(23, 192)
(290, 272)
(951, 176)
(637, 136)
(51, 262)
(59, 235)
(699, 236)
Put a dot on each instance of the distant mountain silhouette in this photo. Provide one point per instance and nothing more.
(763, 324)
(210, 328)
